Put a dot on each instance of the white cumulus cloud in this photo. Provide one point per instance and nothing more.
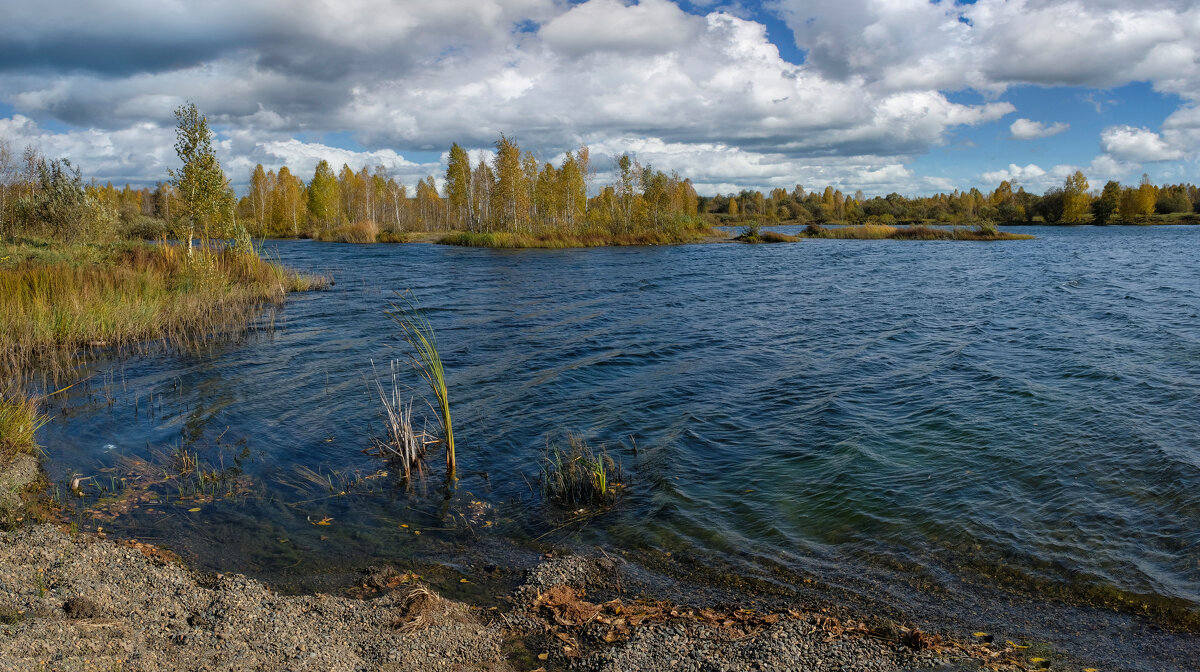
(1027, 129)
(1137, 144)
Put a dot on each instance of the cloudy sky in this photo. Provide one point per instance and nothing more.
(879, 95)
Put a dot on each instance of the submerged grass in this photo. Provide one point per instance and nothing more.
(565, 239)
(57, 302)
(580, 476)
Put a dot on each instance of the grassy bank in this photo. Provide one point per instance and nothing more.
(564, 239)
(58, 300)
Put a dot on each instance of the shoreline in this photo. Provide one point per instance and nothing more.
(80, 602)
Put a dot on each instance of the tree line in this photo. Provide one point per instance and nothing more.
(509, 191)
(1071, 203)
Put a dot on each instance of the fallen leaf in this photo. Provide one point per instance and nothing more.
(194, 510)
(543, 656)
(463, 581)
(979, 634)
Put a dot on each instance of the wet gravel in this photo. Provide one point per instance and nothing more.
(78, 602)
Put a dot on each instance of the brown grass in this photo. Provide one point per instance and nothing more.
(358, 232)
(59, 303)
(558, 239)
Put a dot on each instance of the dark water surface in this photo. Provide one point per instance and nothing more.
(980, 435)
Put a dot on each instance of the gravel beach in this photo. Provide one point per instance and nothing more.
(79, 602)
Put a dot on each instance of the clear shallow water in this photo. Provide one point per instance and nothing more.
(874, 414)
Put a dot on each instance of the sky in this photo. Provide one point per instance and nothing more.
(907, 96)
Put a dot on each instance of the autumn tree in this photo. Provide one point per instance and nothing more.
(1147, 195)
(323, 194)
(1075, 198)
(204, 193)
(260, 196)
(459, 190)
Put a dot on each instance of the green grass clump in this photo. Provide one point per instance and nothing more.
(19, 422)
(391, 237)
(61, 300)
(579, 476)
(755, 235)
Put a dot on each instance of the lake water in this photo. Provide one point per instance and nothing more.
(979, 435)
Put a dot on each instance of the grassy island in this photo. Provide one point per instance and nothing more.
(754, 235)
(558, 239)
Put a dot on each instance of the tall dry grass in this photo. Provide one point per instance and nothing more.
(60, 302)
(359, 232)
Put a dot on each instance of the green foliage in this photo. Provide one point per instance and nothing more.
(143, 227)
(59, 206)
(1105, 207)
(205, 199)
(579, 476)
(1171, 202)
(1052, 206)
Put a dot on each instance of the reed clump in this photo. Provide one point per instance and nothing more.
(427, 361)
(577, 475)
(58, 301)
(403, 443)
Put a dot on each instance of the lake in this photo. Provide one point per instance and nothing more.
(976, 435)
